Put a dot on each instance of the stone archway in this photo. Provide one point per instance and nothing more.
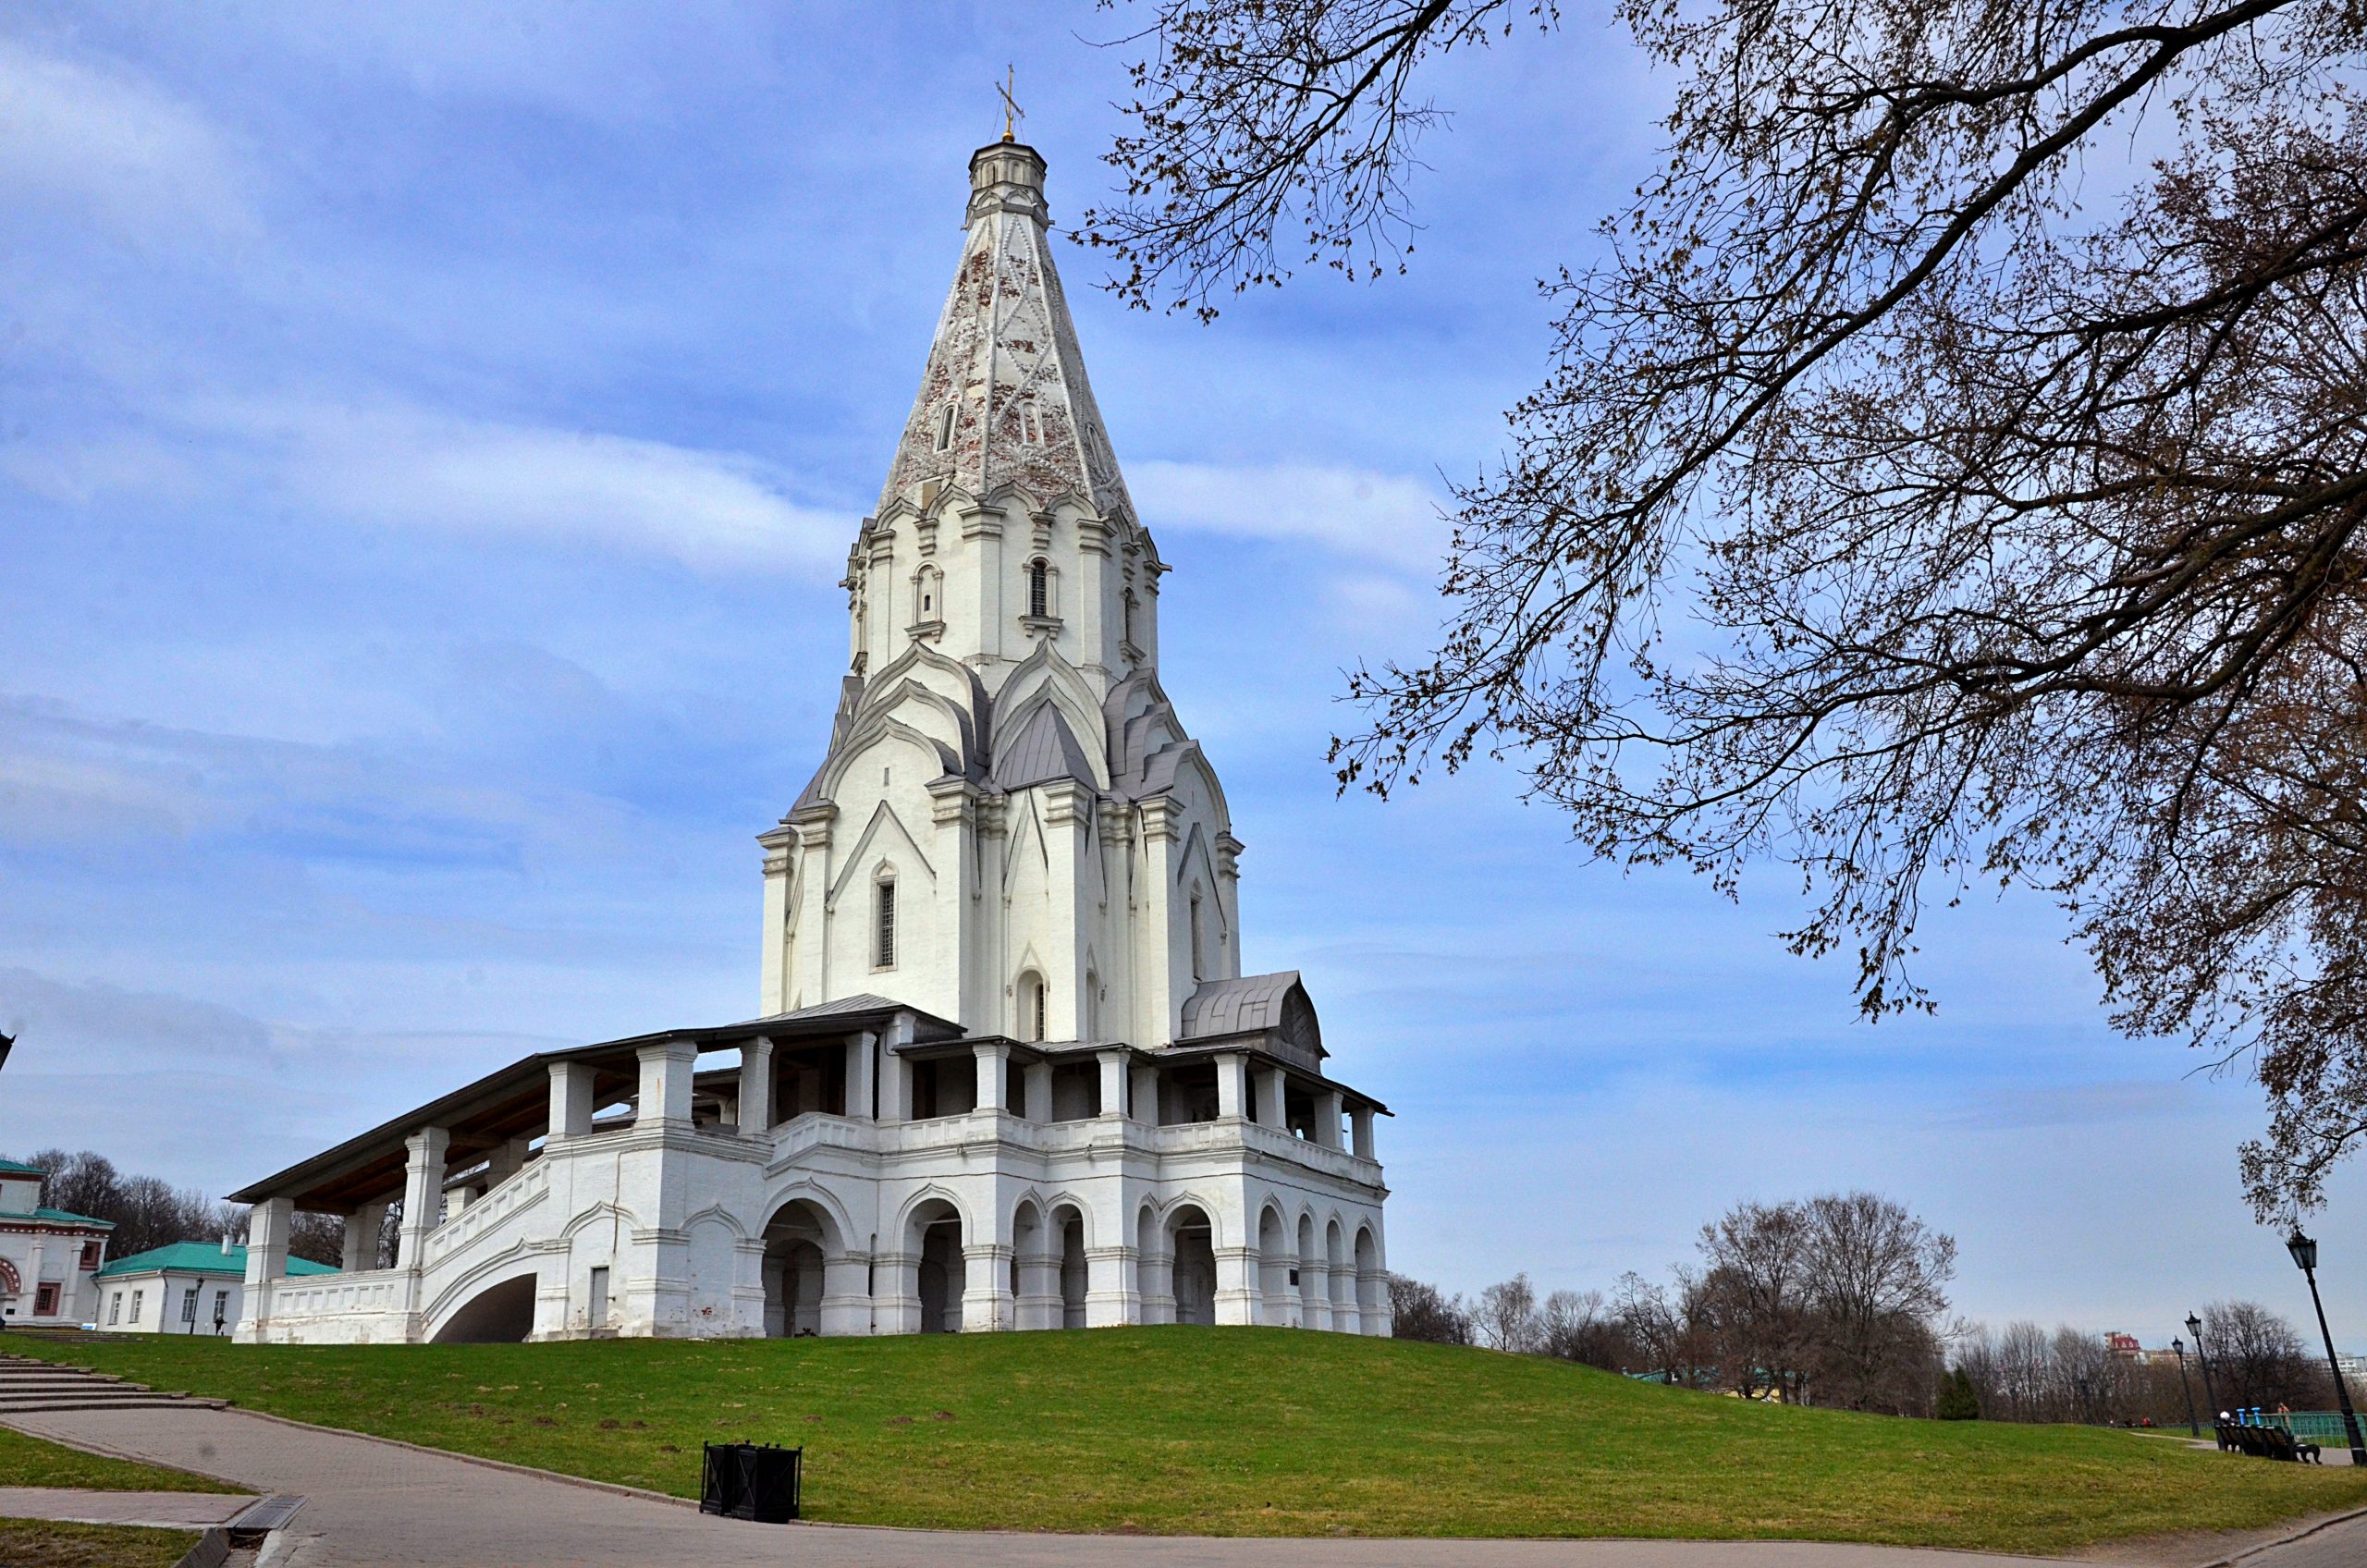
(935, 1240)
(802, 1247)
(1035, 1282)
(1277, 1256)
(1068, 1232)
(498, 1315)
(1370, 1283)
(1192, 1244)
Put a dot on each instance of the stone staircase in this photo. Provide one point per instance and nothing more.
(27, 1385)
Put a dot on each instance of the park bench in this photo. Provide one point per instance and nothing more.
(2266, 1442)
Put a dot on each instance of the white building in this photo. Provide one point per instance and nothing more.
(181, 1288)
(1008, 1074)
(48, 1256)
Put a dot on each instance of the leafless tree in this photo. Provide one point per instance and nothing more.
(1419, 1311)
(1755, 1292)
(2013, 542)
(1654, 1325)
(1877, 1278)
(1506, 1319)
(1578, 1326)
(2259, 1361)
(146, 1211)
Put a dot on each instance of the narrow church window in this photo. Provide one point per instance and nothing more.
(1039, 586)
(883, 954)
(1031, 1006)
(945, 428)
(1199, 969)
(1129, 603)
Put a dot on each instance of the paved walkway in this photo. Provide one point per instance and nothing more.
(170, 1510)
(379, 1506)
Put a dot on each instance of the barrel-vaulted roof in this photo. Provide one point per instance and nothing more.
(1276, 1003)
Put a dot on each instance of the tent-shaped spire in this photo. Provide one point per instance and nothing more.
(1004, 399)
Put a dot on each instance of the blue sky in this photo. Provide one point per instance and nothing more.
(429, 439)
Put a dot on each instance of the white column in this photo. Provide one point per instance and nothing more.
(361, 1230)
(863, 1058)
(992, 1074)
(665, 1070)
(1142, 1102)
(267, 1226)
(1036, 1079)
(1238, 1286)
(1157, 1271)
(508, 1160)
(1269, 1099)
(1109, 1297)
(896, 1089)
(572, 1105)
(423, 1191)
(1360, 1120)
(1039, 1278)
(1114, 1082)
(756, 1087)
(1327, 1118)
(846, 1295)
(455, 1200)
(986, 1302)
(1232, 1097)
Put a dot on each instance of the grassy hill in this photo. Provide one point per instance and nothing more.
(1249, 1431)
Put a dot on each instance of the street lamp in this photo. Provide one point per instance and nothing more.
(2079, 1381)
(2209, 1389)
(2305, 1258)
(2194, 1427)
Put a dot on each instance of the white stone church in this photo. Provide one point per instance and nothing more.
(1008, 1073)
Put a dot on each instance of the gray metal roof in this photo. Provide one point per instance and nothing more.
(515, 1099)
(1044, 748)
(1277, 1001)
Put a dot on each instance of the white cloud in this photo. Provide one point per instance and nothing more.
(114, 146)
(710, 509)
(1393, 519)
(399, 465)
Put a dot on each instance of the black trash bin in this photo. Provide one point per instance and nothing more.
(755, 1481)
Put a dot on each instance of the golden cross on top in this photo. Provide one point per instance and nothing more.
(1011, 112)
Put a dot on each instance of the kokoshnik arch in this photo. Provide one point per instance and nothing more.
(1009, 1074)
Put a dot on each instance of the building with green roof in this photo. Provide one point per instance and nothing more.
(49, 1259)
(184, 1288)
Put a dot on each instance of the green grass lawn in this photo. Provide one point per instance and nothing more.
(1249, 1431)
(31, 1462)
(52, 1545)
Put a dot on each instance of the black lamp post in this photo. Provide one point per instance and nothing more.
(2305, 1258)
(2079, 1381)
(2209, 1389)
(2194, 1427)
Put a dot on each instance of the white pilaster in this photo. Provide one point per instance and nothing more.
(362, 1227)
(665, 1070)
(1269, 1099)
(1232, 1085)
(572, 1105)
(268, 1223)
(993, 1073)
(423, 1191)
(1114, 1082)
(756, 1087)
(1327, 1118)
